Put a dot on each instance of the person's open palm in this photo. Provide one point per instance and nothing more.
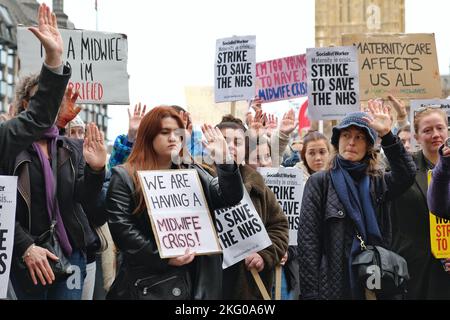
(48, 33)
(94, 150)
(68, 110)
(379, 118)
(134, 120)
(288, 122)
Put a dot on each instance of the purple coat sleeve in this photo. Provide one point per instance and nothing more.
(439, 189)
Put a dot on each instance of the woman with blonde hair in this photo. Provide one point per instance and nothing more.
(411, 222)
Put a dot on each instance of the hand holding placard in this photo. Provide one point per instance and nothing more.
(254, 261)
(187, 258)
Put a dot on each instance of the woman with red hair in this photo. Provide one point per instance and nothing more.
(159, 146)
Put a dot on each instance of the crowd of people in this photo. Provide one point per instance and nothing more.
(364, 186)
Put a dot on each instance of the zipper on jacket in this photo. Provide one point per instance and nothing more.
(28, 206)
(74, 213)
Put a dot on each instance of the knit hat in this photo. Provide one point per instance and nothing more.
(76, 122)
(354, 119)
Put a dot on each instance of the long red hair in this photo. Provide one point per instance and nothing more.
(143, 155)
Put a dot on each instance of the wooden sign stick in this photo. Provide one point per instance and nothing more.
(260, 284)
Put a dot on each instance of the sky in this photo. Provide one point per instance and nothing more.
(171, 44)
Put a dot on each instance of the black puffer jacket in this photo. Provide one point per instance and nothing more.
(132, 233)
(325, 232)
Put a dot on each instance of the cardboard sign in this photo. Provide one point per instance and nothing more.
(417, 106)
(178, 212)
(333, 83)
(234, 70)
(241, 231)
(8, 199)
(439, 233)
(287, 184)
(281, 79)
(98, 61)
(404, 65)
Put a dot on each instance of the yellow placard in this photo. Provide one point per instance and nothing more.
(439, 234)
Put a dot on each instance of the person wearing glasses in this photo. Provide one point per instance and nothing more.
(410, 212)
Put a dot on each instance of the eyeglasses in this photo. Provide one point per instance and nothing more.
(427, 107)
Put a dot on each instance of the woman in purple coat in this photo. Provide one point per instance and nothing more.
(439, 190)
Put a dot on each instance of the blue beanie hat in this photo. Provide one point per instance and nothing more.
(354, 119)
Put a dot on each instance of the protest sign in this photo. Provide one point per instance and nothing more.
(98, 61)
(439, 233)
(234, 70)
(417, 106)
(281, 79)
(287, 184)
(404, 65)
(178, 212)
(8, 194)
(333, 84)
(241, 231)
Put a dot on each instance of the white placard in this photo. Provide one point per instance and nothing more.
(178, 212)
(8, 194)
(287, 184)
(241, 231)
(234, 69)
(333, 82)
(98, 61)
(417, 104)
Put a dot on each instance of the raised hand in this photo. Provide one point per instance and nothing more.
(187, 121)
(8, 116)
(48, 34)
(216, 145)
(256, 104)
(94, 149)
(271, 124)
(68, 110)
(288, 122)
(256, 124)
(446, 151)
(379, 118)
(134, 120)
(399, 107)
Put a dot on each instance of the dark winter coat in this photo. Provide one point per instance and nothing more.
(326, 233)
(411, 239)
(132, 233)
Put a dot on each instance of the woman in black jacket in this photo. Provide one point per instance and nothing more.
(44, 203)
(156, 145)
(352, 193)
